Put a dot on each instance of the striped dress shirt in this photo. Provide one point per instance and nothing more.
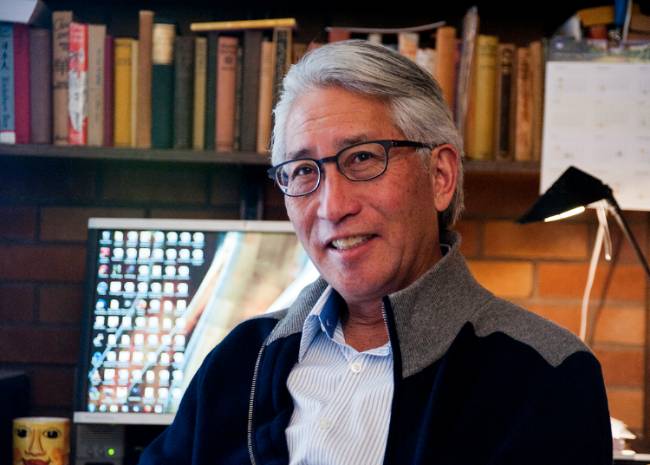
(342, 398)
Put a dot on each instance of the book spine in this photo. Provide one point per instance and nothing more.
(109, 83)
(96, 40)
(445, 65)
(407, 44)
(243, 24)
(78, 85)
(7, 106)
(226, 86)
(503, 108)
(523, 109)
(60, 50)
(40, 85)
(265, 106)
(122, 91)
(133, 100)
(239, 98)
(480, 128)
(162, 86)
(183, 91)
(282, 60)
(198, 120)
(338, 34)
(21, 84)
(251, 89)
(426, 59)
(145, 47)
(211, 91)
(537, 97)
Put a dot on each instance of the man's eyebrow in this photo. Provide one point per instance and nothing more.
(340, 144)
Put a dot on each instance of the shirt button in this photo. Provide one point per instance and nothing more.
(324, 424)
(355, 367)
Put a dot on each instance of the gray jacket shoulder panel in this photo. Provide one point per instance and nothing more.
(550, 341)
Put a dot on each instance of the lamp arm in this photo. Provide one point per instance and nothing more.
(618, 214)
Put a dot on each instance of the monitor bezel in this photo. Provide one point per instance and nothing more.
(95, 224)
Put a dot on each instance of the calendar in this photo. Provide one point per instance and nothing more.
(597, 118)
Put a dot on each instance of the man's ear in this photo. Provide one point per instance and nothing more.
(444, 174)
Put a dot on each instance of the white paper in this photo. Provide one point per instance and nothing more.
(597, 118)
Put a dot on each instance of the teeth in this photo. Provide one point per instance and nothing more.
(349, 242)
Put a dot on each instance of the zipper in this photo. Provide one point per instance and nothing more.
(251, 403)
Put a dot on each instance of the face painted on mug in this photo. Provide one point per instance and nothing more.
(40, 444)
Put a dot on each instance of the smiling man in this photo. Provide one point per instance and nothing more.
(396, 355)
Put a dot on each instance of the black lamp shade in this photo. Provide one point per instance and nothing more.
(573, 189)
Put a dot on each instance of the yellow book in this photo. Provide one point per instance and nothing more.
(243, 24)
(480, 125)
(122, 92)
(200, 69)
(134, 93)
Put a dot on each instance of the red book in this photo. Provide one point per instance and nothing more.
(21, 83)
(108, 91)
(78, 85)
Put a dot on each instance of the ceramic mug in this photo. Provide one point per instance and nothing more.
(41, 441)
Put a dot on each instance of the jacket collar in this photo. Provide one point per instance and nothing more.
(427, 315)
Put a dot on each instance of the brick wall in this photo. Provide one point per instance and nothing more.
(45, 204)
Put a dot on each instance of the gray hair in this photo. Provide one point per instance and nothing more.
(415, 99)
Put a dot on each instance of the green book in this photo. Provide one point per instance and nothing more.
(162, 85)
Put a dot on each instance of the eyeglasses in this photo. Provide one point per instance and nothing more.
(358, 162)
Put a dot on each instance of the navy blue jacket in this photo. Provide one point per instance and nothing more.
(477, 381)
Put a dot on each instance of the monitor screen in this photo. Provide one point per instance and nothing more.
(161, 294)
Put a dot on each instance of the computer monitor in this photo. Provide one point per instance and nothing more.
(161, 294)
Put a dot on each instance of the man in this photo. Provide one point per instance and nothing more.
(396, 355)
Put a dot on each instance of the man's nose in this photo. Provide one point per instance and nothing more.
(35, 446)
(336, 195)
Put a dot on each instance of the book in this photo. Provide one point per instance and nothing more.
(198, 119)
(465, 67)
(21, 83)
(40, 85)
(135, 111)
(523, 105)
(145, 47)
(108, 91)
(239, 97)
(78, 85)
(283, 39)
(335, 34)
(243, 24)
(504, 103)
(7, 105)
(480, 124)
(15, 116)
(445, 64)
(162, 85)
(122, 91)
(96, 42)
(226, 87)
(60, 49)
(183, 91)
(537, 96)
(426, 59)
(407, 44)
(299, 50)
(252, 50)
(265, 106)
(211, 91)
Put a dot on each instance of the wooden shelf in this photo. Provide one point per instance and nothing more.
(131, 154)
(210, 157)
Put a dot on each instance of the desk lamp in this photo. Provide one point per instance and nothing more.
(569, 195)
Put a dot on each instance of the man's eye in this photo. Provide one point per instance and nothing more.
(359, 157)
(51, 434)
(302, 170)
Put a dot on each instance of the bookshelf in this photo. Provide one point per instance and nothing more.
(482, 167)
